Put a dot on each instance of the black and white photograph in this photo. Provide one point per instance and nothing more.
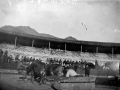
(59, 44)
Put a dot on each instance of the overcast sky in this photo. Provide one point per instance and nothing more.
(89, 20)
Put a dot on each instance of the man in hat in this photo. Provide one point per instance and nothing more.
(21, 68)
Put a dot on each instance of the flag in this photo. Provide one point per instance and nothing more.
(84, 26)
(82, 23)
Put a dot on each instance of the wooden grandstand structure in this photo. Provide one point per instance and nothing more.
(91, 49)
(62, 44)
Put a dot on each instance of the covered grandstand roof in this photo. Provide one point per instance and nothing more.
(63, 40)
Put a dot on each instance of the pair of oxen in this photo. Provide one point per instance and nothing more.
(40, 70)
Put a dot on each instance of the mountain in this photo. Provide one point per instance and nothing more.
(20, 29)
(25, 30)
(71, 38)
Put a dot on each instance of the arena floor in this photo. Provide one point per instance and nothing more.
(13, 82)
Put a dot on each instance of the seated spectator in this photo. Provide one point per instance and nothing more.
(16, 57)
(10, 58)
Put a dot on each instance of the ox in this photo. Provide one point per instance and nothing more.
(37, 70)
(54, 69)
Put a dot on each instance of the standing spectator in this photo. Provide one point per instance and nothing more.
(16, 57)
(1, 54)
(30, 59)
(72, 63)
(22, 58)
(21, 68)
(60, 61)
(25, 58)
(33, 59)
(10, 58)
(5, 56)
(51, 61)
(87, 70)
(76, 65)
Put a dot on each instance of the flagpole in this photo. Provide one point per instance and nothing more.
(15, 41)
(32, 42)
(65, 50)
(112, 52)
(49, 49)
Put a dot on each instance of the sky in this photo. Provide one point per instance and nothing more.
(88, 20)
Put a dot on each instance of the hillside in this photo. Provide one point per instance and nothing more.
(71, 38)
(25, 30)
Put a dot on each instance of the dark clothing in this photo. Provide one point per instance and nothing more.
(87, 70)
(5, 56)
(17, 58)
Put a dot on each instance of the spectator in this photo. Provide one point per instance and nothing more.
(87, 70)
(30, 59)
(22, 58)
(10, 58)
(21, 68)
(33, 59)
(51, 61)
(64, 62)
(1, 54)
(5, 56)
(16, 57)
(25, 58)
(75, 65)
(60, 61)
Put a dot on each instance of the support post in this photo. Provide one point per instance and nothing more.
(96, 50)
(81, 49)
(15, 41)
(65, 49)
(112, 52)
(32, 42)
(49, 48)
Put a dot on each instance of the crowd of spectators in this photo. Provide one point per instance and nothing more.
(53, 52)
(67, 62)
(4, 57)
(25, 49)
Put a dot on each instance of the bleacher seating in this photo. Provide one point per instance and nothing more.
(55, 52)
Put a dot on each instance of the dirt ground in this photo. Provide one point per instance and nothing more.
(13, 82)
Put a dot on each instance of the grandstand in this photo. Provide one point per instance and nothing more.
(59, 49)
(38, 46)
